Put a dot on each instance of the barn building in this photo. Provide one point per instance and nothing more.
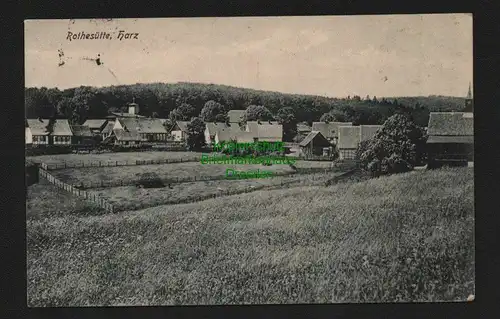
(451, 138)
(314, 144)
(451, 135)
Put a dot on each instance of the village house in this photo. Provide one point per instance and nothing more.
(265, 131)
(148, 130)
(351, 136)
(235, 116)
(451, 135)
(180, 130)
(47, 132)
(315, 144)
(329, 130)
(82, 134)
(211, 129)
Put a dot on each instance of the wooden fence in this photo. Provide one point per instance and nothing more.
(83, 164)
(310, 181)
(172, 180)
(101, 202)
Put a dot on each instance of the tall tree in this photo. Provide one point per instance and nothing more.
(196, 134)
(286, 117)
(257, 113)
(334, 116)
(211, 112)
(183, 113)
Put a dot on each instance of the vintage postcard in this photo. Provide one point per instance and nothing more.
(249, 160)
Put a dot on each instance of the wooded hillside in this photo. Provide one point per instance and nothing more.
(159, 99)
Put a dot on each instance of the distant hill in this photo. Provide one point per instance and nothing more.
(159, 99)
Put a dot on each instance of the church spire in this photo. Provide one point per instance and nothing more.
(469, 93)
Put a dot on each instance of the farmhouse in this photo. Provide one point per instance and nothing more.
(329, 129)
(314, 144)
(180, 130)
(235, 116)
(148, 130)
(50, 132)
(265, 131)
(351, 136)
(451, 137)
(212, 128)
(82, 134)
(96, 125)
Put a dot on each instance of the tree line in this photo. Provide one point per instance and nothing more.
(210, 101)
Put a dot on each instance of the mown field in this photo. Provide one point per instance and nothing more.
(132, 197)
(104, 157)
(404, 238)
(165, 171)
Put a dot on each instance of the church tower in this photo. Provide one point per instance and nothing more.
(469, 103)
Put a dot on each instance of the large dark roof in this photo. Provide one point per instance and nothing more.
(311, 136)
(451, 124)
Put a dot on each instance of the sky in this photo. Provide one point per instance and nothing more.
(335, 56)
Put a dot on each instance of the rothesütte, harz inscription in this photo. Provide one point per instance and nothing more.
(101, 35)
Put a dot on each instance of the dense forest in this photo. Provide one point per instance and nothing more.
(161, 100)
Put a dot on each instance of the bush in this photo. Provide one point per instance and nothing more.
(396, 148)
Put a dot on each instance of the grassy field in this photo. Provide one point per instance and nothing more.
(164, 171)
(45, 200)
(403, 238)
(131, 197)
(104, 157)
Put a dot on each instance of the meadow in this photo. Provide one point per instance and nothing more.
(166, 171)
(402, 238)
(132, 197)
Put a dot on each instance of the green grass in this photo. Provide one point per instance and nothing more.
(405, 238)
(132, 197)
(105, 157)
(164, 171)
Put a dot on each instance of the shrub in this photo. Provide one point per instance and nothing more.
(397, 147)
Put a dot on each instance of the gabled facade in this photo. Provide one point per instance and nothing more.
(180, 131)
(47, 132)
